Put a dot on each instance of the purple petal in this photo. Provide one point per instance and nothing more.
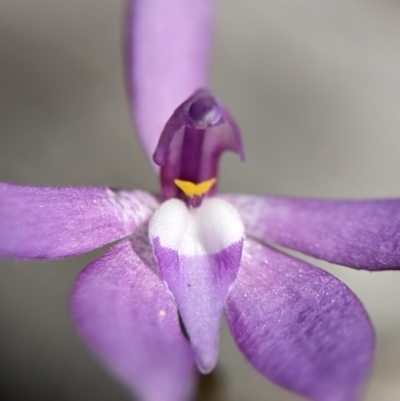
(168, 52)
(198, 253)
(199, 285)
(47, 223)
(359, 234)
(299, 326)
(124, 314)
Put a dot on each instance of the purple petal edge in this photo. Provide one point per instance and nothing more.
(124, 314)
(51, 223)
(299, 326)
(168, 52)
(358, 234)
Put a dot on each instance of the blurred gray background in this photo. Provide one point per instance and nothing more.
(315, 87)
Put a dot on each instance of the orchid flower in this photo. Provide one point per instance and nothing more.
(150, 307)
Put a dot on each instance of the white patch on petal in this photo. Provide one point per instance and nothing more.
(207, 229)
(131, 205)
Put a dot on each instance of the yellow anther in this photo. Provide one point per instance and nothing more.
(191, 189)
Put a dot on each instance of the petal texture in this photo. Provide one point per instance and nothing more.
(124, 314)
(299, 326)
(198, 253)
(47, 223)
(168, 52)
(359, 234)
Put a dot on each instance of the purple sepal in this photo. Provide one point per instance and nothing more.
(124, 314)
(51, 223)
(192, 141)
(359, 234)
(168, 53)
(199, 284)
(299, 326)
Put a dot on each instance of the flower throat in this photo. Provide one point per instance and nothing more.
(190, 146)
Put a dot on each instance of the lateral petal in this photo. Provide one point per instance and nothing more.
(198, 253)
(358, 234)
(168, 52)
(299, 326)
(124, 314)
(51, 223)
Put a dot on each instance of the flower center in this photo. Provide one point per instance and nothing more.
(190, 146)
(195, 192)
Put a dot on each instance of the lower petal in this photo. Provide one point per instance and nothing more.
(299, 326)
(198, 253)
(123, 313)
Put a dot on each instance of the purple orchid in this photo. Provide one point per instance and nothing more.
(151, 306)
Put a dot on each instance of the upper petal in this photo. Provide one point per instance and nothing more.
(299, 326)
(46, 223)
(359, 234)
(198, 253)
(168, 52)
(124, 314)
